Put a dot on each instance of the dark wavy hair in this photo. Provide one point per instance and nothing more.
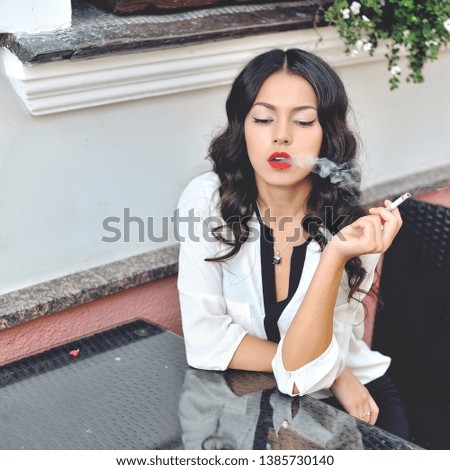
(228, 152)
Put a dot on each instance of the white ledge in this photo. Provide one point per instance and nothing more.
(68, 85)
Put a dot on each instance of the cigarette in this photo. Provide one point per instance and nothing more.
(398, 201)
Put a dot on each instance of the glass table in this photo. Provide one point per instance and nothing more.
(131, 388)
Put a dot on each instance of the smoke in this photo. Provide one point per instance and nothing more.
(345, 175)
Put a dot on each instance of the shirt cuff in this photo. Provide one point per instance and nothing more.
(316, 375)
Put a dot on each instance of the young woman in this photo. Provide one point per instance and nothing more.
(262, 285)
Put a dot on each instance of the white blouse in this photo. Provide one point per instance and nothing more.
(222, 302)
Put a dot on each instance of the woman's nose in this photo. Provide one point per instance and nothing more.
(281, 140)
(281, 135)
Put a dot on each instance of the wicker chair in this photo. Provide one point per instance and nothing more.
(413, 327)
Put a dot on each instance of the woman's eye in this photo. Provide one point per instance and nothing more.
(262, 121)
(305, 123)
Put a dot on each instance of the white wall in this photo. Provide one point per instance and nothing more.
(405, 131)
(62, 174)
(33, 16)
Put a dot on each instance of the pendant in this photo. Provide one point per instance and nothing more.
(276, 258)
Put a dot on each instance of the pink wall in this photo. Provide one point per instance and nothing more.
(441, 197)
(155, 301)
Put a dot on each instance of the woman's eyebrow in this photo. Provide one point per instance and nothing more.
(273, 108)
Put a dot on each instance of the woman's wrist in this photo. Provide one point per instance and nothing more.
(339, 379)
(334, 257)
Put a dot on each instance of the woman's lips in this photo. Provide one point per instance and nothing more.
(280, 160)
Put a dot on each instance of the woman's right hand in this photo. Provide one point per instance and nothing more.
(354, 397)
(372, 233)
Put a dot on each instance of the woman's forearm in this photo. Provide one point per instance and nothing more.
(255, 354)
(311, 330)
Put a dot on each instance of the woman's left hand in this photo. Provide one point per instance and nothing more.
(371, 233)
(354, 397)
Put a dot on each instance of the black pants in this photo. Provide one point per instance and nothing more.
(392, 416)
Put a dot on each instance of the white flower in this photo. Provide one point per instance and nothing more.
(429, 43)
(447, 24)
(382, 3)
(355, 7)
(364, 17)
(359, 44)
(367, 46)
(355, 52)
(406, 33)
(346, 13)
(395, 70)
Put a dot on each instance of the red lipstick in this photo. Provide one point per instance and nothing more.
(280, 160)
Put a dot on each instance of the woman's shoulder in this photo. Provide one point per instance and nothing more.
(201, 192)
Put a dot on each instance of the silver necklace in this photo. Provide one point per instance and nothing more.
(276, 253)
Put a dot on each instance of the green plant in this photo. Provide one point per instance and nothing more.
(421, 27)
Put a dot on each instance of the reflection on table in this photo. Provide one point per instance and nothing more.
(244, 410)
(131, 388)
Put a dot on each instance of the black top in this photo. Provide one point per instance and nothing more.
(274, 309)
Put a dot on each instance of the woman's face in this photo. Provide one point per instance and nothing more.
(283, 122)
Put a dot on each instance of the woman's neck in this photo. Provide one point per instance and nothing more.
(284, 201)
